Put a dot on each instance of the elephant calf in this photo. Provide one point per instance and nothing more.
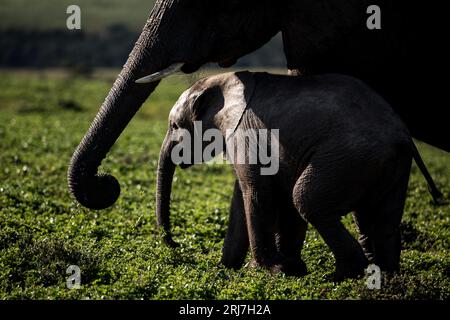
(341, 149)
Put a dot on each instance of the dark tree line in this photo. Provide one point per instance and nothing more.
(60, 48)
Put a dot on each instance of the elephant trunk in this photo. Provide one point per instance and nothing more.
(99, 191)
(166, 169)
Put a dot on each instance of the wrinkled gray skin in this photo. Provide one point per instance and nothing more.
(342, 149)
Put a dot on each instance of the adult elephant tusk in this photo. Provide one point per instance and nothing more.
(161, 74)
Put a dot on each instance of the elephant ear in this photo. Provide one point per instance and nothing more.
(238, 92)
(206, 102)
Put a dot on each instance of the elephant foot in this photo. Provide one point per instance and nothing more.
(290, 267)
(252, 264)
(350, 268)
(270, 265)
(294, 267)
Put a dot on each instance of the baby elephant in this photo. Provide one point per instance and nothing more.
(338, 148)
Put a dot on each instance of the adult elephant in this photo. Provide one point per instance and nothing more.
(319, 36)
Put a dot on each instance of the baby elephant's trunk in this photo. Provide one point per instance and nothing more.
(166, 169)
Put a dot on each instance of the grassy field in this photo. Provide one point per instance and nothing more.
(44, 115)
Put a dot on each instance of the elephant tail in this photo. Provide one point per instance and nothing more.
(438, 198)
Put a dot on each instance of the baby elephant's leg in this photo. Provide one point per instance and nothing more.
(389, 213)
(290, 237)
(261, 215)
(236, 240)
(319, 197)
(365, 226)
(350, 258)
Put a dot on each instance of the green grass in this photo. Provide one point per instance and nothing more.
(95, 15)
(43, 231)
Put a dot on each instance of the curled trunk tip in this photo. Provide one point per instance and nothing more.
(97, 192)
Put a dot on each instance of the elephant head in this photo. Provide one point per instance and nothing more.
(217, 102)
(179, 34)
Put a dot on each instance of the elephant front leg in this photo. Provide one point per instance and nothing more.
(236, 240)
(261, 223)
(290, 237)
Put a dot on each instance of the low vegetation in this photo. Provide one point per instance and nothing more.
(43, 231)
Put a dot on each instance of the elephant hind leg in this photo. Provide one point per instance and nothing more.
(365, 228)
(378, 222)
(387, 243)
(350, 259)
(380, 240)
(321, 198)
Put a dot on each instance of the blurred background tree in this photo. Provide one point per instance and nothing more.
(33, 34)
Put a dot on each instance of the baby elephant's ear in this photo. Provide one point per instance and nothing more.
(206, 100)
(238, 95)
